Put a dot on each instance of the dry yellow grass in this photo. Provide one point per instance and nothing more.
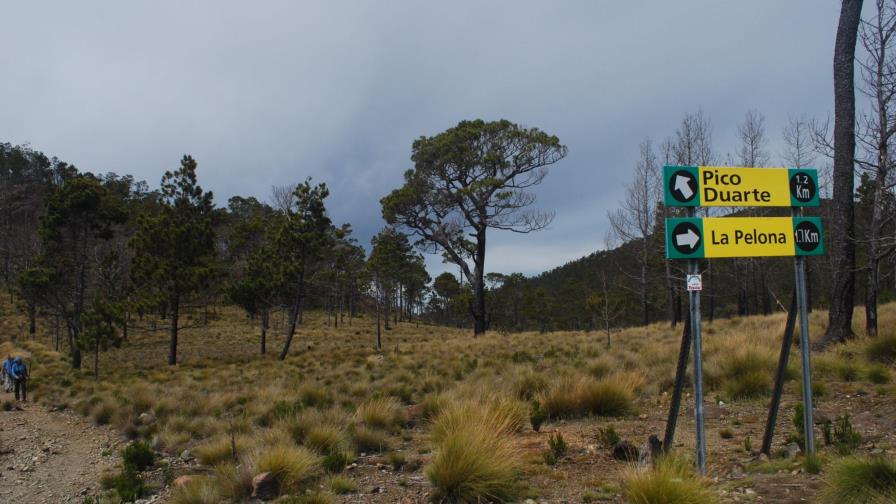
(421, 389)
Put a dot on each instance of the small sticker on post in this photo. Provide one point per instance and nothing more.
(695, 283)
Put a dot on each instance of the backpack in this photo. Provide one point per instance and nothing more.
(20, 369)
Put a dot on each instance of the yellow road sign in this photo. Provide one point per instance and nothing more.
(711, 237)
(749, 187)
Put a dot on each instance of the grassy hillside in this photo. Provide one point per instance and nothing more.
(441, 415)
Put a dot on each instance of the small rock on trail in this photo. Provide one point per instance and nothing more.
(52, 457)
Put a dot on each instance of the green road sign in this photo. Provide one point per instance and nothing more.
(692, 186)
(711, 237)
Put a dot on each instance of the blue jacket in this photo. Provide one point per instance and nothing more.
(19, 369)
(7, 366)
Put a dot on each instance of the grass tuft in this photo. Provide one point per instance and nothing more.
(861, 480)
(670, 481)
(293, 466)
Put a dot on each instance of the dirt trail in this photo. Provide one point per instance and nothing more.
(52, 457)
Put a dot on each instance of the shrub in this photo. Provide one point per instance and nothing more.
(607, 397)
(335, 462)
(861, 480)
(233, 482)
(217, 450)
(812, 464)
(313, 396)
(325, 439)
(529, 384)
(138, 456)
(878, 374)
(570, 398)
(369, 440)
(199, 491)
(292, 466)
(846, 439)
(608, 437)
(747, 386)
(882, 349)
(474, 463)
(671, 480)
(381, 413)
(557, 445)
(502, 414)
(341, 485)
(744, 372)
(128, 484)
(280, 410)
(537, 416)
(102, 413)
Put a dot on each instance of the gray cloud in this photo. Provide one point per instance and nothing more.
(267, 93)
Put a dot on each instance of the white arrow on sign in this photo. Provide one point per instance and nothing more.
(682, 186)
(690, 239)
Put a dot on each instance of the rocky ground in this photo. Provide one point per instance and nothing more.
(51, 457)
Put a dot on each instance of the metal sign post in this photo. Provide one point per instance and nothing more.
(801, 299)
(694, 302)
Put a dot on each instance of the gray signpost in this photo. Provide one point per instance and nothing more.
(694, 302)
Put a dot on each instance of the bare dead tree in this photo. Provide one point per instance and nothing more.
(875, 132)
(753, 152)
(799, 149)
(636, 219)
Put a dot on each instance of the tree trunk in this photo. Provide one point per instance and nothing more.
(265, 315)
(670, 286)
(645, 315)
(175, 314)
(96, 360)
(295, 313)
(872, 289)
(32, 320)
(842, 243)
(478, 284)
(76, 352)
(379, 338)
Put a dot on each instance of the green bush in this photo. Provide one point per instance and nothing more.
(846, 439)
(878, 374)
(138, 456)
(557, 445)
(608, 437)
(861, 480)
(537, 416)
(128, 484)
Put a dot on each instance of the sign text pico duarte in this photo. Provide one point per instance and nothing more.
(711, 237)
(692, 186)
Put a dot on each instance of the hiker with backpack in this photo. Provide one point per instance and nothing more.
(7, 374)
(20, 379)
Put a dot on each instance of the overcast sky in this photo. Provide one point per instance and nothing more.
(267, 93)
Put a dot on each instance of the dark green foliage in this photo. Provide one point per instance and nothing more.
(537, 416)
(138, 456)
(128, 484)
(336, 461)
(557, 445)
(175, 246)
(465, 180)
(846, 439)
(608, 437)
